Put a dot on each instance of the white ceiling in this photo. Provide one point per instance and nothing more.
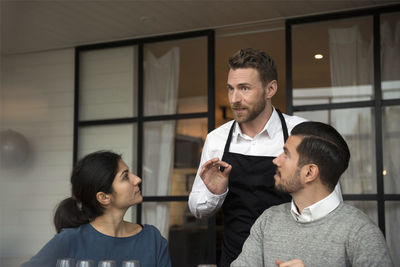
(38, 25)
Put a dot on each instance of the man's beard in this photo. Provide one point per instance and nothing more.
(290, 185)
(252, 112)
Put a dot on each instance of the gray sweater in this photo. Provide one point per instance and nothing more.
(345, 237)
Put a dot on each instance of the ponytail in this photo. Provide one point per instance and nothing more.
(69, 215)
(92, 174)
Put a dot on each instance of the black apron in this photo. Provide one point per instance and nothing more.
(251, 191)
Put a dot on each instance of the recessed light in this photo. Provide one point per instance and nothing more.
(146, 19)
(318, 56)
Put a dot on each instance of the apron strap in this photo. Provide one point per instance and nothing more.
(228, 142)
(284, 130)
(284, 127)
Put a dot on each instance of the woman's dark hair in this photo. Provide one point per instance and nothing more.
(322, 145)
(92, 174)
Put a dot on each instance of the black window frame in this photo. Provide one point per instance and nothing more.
(140, 119)
(378, 103)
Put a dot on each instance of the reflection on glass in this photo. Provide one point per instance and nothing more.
(65, 262)
(391, 148)
(344, 73)
(85, 263)
(120, 138)
(390, 52)
(108, 79)
(107, 263)
(356, 127)
(133, 263)
(172, 152)
(187, 236)
(392, 219)
(175, 77)
(368, 207)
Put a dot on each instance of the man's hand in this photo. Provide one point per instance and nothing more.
(292, 263)
(215, 180)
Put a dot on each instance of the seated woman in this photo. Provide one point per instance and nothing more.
(90, 224)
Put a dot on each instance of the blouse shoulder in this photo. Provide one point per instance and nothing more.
(151, 229)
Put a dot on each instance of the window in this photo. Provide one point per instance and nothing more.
(355, 88)
(151, 100)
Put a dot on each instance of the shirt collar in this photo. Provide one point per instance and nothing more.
(271, 127)
(317, 210)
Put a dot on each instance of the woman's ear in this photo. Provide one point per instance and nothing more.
(103, 198)
(311, 172)
(271, 89)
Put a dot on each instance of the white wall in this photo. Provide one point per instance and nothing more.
(36, 101)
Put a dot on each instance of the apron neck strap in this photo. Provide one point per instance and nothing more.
(284, 127)
(284, 130)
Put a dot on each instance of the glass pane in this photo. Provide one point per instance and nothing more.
(368, 207)
(172, 151)
(121, 139)
(391, 148)
(392, 219)
(108, 83)
(175, 77)
(357, 127)
(345, 72)
(187, 236)
(390, 52)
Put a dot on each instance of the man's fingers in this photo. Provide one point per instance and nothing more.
(213, 166)
(227, 168)
(210, 162)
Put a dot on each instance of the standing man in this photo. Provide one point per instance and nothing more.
(244, 148)
(316, 228)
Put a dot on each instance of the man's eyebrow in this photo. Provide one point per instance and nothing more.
(240, 84)
(244, 84)
(286, 151)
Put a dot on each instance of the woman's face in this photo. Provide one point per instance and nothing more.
(126, 191)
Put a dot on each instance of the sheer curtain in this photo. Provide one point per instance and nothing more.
(390, 43)
(161, 78)
(351, 65)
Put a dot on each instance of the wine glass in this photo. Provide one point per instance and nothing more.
(85, 263)
(107, 263)
(132, 263)
(69, 262)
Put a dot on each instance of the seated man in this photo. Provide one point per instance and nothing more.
(315, 229)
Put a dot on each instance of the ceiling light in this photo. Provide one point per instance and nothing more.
(318, 56)
(146, 19)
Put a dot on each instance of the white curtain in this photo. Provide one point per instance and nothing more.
(351, 65)
(390, 52)
(161, 78)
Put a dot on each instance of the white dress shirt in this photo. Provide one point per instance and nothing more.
(317, 210)
(268, 142)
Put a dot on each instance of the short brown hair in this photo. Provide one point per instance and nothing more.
(256, 59)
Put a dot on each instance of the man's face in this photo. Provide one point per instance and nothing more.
(288, 174)
(247, 96)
